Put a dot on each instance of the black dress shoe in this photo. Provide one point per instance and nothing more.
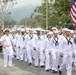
(21, 60)
(42, 66)
(58, 66)
(30, 64)
(17, 59)
(60, 72)
(15, 56)
(47, 70)
(54, 71)
(36, 66)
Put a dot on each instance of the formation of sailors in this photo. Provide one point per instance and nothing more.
(52, 50)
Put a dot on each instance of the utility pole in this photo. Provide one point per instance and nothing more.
(46, 14)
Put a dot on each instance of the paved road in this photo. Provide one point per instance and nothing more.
(22, 68)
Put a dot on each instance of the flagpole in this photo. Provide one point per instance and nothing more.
(46, 14)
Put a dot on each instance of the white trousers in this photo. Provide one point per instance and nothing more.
(8, 53)
(39, 55)
(14, 51)
(21, 53)
(29, 54)
(74, 60)
(48, 61)
(25, 55)
(33, 54)
(36, 57)
(17, 52)
(67, 63)
(55, 60)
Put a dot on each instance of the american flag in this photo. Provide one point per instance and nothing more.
(73, 11)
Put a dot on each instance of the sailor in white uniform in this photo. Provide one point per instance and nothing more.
(75, 48)
(8, 46)
(72, 36)
(48, 47)
(56, 51)
(17, 40)
(22, 45)
(29, 46)
(39, 47)
(67, 53)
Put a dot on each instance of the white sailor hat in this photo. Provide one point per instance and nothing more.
(6, 30)
(46, 30)
(66, 29)
(57, 31)
(54, 28)
(71, 31)
(19, 29)
(23, 30)
(13, 30)
(34, 32)
(38, 29)
(30, 29)
(50, 33)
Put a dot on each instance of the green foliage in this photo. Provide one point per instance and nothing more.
(28, 22)
(58, 14)
(10, 23)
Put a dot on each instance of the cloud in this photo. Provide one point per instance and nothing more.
(22, 12)
(25, 3)
(24, 8)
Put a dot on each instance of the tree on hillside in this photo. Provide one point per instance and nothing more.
(5, 5)
(58, 13)
(28, 22)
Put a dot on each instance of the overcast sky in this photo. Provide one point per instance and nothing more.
(25, 3)
(24, 8)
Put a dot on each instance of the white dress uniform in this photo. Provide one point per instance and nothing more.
(22, 47)
(18, 39)
(68, 47)
(29, 47)
(7, 51)
(48, 47)
(44, 37)
(14, 52)
(39, 44)
(25, 49)
(75, 51)
(75, 54)
(56, 51)
(33, 51)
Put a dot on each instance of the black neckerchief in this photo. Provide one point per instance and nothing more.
(23, 37)
(31, 36)
(56, 42)
(49, 39)
(39, 37)
(13, 36)
(68, 41)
